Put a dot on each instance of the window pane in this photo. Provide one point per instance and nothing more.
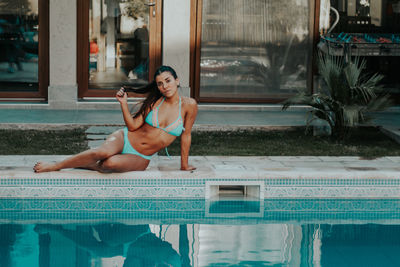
(254, 48)
(119, 43)
(376, 24)
(19, 45)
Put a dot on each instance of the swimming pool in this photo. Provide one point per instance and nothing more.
(198, 232)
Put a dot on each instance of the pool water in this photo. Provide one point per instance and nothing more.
(195, 232)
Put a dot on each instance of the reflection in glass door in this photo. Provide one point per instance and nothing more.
(123, 44)
(257, 50)
(19, 53)
(119, 42)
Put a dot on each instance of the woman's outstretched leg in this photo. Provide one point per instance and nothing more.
(89, 158)
(120, 163)
(123, 163)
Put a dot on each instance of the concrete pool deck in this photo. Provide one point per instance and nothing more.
(276, 177)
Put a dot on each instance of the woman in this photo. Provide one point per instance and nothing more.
(163, 116)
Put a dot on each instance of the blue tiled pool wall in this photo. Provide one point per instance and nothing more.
(192, 182)
(175, 211)
(194, 188)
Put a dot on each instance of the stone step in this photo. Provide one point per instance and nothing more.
(96, 137)
(102, 129)
(95, 143)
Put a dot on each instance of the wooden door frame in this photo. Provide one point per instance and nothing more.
(43, 58)
(155, 47)
(195, 53)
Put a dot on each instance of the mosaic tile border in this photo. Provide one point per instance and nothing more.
(181, 205)
(101, 192)
(144, 182)
(333, 182)
(333, 192)
(194, 211)
(161, 182)
(195, 188)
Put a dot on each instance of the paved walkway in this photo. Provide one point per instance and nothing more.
(207, 116)
(228, 166)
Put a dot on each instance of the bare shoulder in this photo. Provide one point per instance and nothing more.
(189, 103)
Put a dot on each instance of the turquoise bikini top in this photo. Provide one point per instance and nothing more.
(176, 128)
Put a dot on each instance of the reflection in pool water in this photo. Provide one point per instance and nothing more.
(309, 233)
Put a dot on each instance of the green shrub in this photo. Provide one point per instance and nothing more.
(348, 97)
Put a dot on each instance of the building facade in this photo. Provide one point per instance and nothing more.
(63, 54)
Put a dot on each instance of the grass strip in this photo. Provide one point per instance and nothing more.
(42, 142)
(367, 142)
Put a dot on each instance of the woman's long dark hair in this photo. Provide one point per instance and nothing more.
(151, 89)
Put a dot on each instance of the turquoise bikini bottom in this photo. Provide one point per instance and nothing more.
(128, 149)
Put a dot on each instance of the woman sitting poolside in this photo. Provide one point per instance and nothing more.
(163, 116)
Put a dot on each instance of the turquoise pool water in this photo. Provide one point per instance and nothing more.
(195, 232)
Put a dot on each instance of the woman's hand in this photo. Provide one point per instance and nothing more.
(188, 168)
(122, 96)
(190, 108)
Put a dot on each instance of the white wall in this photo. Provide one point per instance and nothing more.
(63, 90)
(176, 39)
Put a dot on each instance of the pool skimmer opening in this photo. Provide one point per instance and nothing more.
(237, 189)
(232, 199)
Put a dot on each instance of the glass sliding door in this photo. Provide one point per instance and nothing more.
(19, 48)
(121, 44)
(253, 49)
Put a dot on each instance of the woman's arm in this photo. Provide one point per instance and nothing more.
(186, 137)
(131, 123)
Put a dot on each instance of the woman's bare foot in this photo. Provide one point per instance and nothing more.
(45, 167)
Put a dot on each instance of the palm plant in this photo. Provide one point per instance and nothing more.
(348, 98)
